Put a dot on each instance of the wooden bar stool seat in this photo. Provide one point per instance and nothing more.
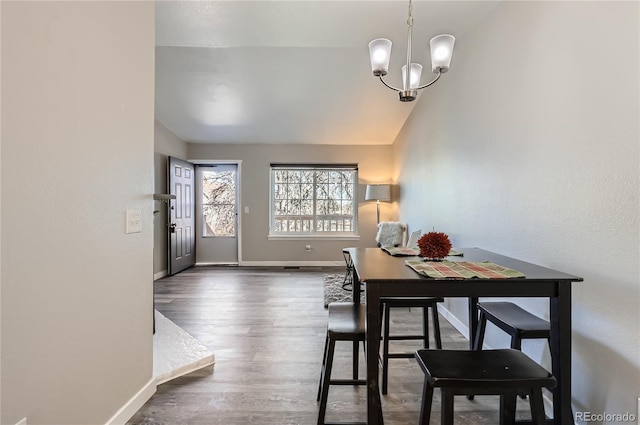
(346, 323)
(506, 372)
(425, 304)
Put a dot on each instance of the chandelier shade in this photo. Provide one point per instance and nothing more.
(441, 48)
(441, 52)
(380, 53)
(415, 74)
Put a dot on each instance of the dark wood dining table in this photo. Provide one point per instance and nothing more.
(383, 275)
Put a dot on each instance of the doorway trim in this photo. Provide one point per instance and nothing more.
(238, 163)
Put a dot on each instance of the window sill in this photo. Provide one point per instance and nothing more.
(314, 237)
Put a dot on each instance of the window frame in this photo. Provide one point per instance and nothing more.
(313, 234)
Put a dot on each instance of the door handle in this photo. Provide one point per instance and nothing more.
(172, 227)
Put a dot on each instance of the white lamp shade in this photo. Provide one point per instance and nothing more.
(380, 53)
(378, 192)
(441, 52)
(414, 76)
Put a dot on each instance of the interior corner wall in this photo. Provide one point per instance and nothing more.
(77, 148)
(0, 216)
(374, 166)
(166, 144)
(529, 147)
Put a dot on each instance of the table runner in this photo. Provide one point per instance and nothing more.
(462, 270)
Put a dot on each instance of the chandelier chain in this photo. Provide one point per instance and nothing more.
(410, 18)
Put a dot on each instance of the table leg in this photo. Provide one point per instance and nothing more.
(355, 286)
(473, 320)
(374, 406)
(560, 320)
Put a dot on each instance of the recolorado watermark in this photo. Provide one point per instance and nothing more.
(604, 417)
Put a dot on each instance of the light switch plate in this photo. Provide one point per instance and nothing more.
(133, 221)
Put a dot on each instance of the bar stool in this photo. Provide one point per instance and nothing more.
(346, 323)
(506, 372)
(425, 304)
(511, 318)
(515, 321)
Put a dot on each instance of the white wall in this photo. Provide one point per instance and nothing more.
(0, 219)
(165, 144)
(529, 147)
(77, 152)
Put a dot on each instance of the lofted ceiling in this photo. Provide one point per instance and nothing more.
(292, 71)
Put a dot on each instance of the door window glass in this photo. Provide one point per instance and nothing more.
(219, 203)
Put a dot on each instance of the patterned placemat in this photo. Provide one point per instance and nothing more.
(462, 270)
(399, 251)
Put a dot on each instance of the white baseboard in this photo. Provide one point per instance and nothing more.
(336, 263)
(130, 408)
(461, 327)
(160, 275)
(292, 263)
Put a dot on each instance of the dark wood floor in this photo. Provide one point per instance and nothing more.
(266, 327)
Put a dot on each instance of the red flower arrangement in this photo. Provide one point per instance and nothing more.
(434, 245)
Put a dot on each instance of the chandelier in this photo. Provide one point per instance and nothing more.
(441, 51)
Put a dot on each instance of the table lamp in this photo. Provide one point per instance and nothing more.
(378, 192)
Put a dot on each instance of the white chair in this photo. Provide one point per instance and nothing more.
(390, 233)
(413, 239)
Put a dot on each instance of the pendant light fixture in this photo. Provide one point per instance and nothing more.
(441, 52)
